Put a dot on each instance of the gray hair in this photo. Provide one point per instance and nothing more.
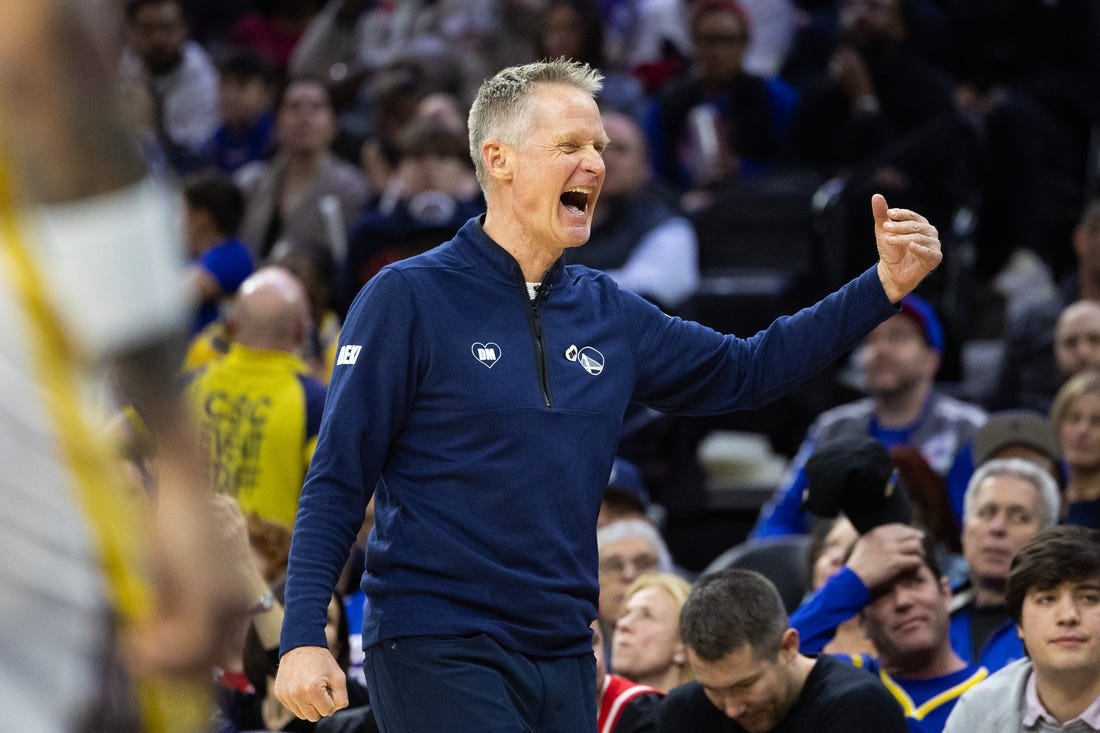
(1050, 500)
(627, 528)
(501, 109)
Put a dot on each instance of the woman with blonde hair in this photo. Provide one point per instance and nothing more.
(646, 647)
(1076, 416)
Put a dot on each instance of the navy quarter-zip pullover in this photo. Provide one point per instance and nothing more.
(486, 423)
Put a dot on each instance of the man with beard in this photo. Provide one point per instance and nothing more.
(894, 584)
(181, 79)
(899, 360)
(1008, 501)
(751, 677)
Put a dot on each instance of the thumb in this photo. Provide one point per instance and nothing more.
(879, 209)
(338, 692)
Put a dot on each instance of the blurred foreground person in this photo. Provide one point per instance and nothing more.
(113, 603)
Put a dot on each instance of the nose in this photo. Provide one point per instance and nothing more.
(630, 571)
(875, 348)
(733, 707)
(594, 163)
(997, 523)
(1066, 610)
(902, 597)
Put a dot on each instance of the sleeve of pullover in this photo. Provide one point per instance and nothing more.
(843, 596)
(373, 385)
(688, 368)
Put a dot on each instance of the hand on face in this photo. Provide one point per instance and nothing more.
(886, 552)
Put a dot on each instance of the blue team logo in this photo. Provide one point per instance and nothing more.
(487, 354)
(590, 359)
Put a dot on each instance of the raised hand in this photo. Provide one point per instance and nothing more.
(886, 552)
(908, 248)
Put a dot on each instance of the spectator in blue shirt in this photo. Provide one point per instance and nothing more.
(214, 207)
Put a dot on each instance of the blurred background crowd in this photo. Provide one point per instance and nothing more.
(314, 142)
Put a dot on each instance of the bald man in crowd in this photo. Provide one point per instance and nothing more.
(1077, 338)
(258, 407)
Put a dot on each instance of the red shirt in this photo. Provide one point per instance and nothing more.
(617, 693)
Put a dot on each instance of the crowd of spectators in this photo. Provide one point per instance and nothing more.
(315, 142)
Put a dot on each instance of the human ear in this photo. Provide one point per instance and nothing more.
(497, 157)
(788, 647)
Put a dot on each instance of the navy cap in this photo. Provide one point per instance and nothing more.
(626, 480)
(921, 311)
(854, 474)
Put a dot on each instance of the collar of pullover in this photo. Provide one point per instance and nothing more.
(495, 261)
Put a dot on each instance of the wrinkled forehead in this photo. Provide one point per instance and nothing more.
(563, 104)
(1006, 489)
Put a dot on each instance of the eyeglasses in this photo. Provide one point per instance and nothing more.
(616, 565)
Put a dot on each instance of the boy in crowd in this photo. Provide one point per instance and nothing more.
(1053, 594)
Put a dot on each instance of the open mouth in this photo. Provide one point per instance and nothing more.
(575, 200)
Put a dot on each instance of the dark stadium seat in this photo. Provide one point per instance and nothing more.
(782, 560)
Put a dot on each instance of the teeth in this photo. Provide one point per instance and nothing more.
(577, 198)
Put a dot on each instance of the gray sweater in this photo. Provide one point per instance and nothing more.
(999, 704)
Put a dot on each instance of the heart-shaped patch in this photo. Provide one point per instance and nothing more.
(488, 354)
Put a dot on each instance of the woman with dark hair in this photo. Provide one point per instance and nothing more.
(574, 29)
(245, 682)
(305, 190)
